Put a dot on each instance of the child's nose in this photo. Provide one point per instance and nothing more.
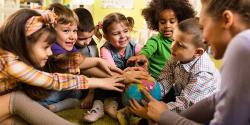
(49, 52)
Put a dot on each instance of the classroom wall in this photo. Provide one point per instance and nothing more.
(99, 12)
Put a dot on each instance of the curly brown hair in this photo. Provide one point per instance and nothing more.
(182, 9)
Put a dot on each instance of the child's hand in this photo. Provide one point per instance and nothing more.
(107, 67)
(138, 61)
(113, 83)
(135, 76)
(154, 107)
(87, 101)
(137, 109)
(134, 69)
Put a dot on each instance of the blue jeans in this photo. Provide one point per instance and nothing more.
(57, 96)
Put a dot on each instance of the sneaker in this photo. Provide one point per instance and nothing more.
(110, 107)
(95, 113)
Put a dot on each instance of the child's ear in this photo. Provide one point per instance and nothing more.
(199, 52)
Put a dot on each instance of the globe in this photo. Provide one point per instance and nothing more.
(132, 91)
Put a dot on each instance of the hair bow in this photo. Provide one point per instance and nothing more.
(35, 23)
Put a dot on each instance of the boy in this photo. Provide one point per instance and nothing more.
(190, 71)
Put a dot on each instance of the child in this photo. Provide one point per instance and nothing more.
(118, 48)
(230, 41)
(190, 70)
(85, 43)
(66, 29)
(25, 40)
(163, 16)
(87, 46)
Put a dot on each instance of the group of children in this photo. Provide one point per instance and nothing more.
(64, 42)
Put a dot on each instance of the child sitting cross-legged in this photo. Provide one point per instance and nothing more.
(67, 59)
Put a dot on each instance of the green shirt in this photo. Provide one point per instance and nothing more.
(157, 50)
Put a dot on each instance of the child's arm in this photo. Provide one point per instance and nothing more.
(200, 86)
(22, 72)
(105, 54)
(88, 100)
(95, 72)
(166, 78)
(149, 48)
(91, 62)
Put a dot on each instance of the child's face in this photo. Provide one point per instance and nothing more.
(183, 49)
(40, 50)
(118, 35)
(167, 23)
(214, 34)
(66, 35)
(84, 38)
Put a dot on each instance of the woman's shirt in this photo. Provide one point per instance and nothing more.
(13, 70)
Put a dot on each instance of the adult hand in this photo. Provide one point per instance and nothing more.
(154, 107)
(137, 109)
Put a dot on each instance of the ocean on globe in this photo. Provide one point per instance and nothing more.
(133, 91)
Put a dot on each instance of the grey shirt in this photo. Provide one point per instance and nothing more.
(230, 106)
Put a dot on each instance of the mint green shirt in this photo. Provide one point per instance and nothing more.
(157, 50)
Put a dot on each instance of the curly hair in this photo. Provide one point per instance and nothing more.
(182, 9)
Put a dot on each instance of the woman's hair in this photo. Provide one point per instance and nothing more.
(191, 26)
(112, 18)
(13, 38)
(86, 23)
(182, 9)
(64, 14)
(217, 7)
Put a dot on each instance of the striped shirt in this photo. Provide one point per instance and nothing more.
(192, 82)
(12, 71)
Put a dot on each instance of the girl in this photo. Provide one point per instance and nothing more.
(64, 52)
(118, 47)
(229, 41)
(162, 16)
(25, 39)
(116, 51)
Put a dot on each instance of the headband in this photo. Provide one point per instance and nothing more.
(35, 23)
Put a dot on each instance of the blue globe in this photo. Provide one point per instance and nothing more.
(133, 91)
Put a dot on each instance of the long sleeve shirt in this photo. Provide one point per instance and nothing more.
(230, 106)
(157, 50)
(12, 71)
(192, 81)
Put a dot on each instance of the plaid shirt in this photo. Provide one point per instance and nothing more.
(13, 70)
(192, 82)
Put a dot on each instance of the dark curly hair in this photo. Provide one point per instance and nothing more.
(182, 9)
